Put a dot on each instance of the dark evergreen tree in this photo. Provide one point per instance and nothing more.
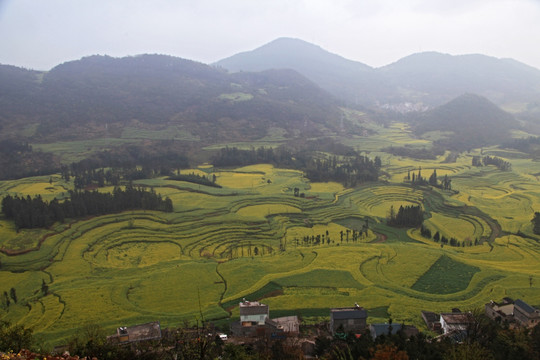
(408, 216)
(34, 212)
(536, 223)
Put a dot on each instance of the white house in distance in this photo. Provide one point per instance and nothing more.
(253, 313)
(455, 322)
(255, 321)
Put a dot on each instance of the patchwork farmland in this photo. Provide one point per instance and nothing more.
(254, 238)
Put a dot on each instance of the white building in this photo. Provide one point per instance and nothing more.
(455, 322)
(253, 313)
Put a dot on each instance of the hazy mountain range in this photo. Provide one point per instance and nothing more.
(429, 77)
(288, 84)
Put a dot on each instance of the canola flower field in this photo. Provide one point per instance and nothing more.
(253, 238)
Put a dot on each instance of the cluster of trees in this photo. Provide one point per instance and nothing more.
(530, 145)
(7, 299)
(492, 160)
(347, 170)
(416, 153)
(536, 223)
(418, 179)
(14, 337)
(132, 162)
(18, 160)
(90, 178)
(27, 212)
(437, 237)
(408, 216)
(196, 179)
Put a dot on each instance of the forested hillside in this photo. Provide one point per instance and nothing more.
(99, 96)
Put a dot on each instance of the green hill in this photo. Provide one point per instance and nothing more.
(472, 120)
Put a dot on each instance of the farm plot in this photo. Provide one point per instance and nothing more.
(377, 200)
(235, 271)
(241, 241)
(461, 228)
(261, 211)
(507, 197)
(445, 276)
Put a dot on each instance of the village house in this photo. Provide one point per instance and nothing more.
(432, 320)
(253, 313)
(500, 312)
(351, 319)
(518, 312)
(289, 324)
(526, 315)
(255, 321)
(132, 334)
(455, 322)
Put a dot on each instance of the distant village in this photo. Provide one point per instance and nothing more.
(255, 324)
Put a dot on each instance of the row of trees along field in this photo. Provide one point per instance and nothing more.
(27, 212)
(530, 145)
(196, 179)
(347, 170)
(426, 232)
(416, 153)
(321, 239)
(492, 160)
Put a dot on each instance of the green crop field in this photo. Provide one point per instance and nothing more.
(253, 238)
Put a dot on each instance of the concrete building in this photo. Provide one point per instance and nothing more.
(255, 322)
(253, 313)
(432, 320)
(352, 319)
(455, 322)
(526, 315)
(131, 334)
(501, 312)
(289, 324)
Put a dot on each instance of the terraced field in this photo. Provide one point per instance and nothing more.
(253, 238)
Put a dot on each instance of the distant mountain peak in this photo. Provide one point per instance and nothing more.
(286, 52)
(334, 73)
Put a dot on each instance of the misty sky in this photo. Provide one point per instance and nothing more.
(40, 34)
